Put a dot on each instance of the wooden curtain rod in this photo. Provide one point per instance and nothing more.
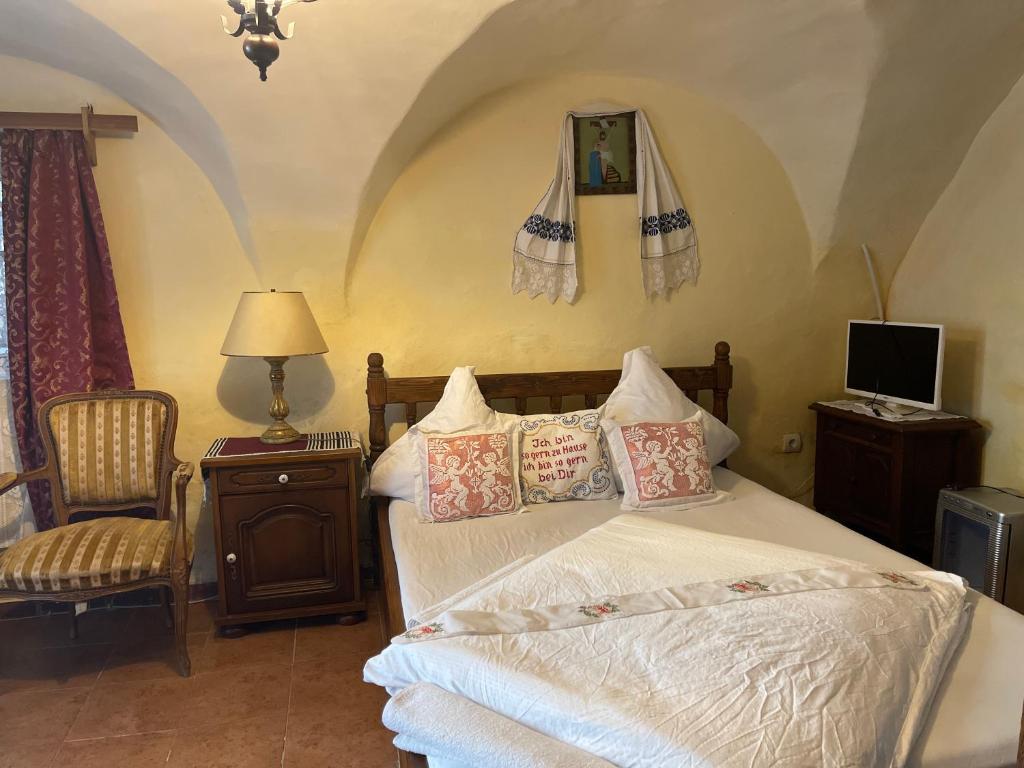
(86, 121)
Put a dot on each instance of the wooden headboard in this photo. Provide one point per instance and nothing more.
(382, 391)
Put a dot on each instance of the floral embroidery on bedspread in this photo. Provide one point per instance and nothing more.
(459, 622)
(896, 577)
(599, 610)
(424, 630)
(746, 586)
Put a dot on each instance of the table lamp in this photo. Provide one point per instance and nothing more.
(274, 325)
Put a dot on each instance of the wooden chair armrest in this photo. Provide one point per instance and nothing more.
(179, 544)
(183, 473)
(10, 480)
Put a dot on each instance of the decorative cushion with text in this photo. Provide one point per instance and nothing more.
(563, 457)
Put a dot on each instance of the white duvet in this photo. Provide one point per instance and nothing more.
(838, 673)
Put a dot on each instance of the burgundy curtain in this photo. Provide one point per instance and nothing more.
(63, 321)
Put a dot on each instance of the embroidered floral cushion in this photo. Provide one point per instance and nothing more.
(468, 475)
(563, 457)
(646, 393)
(662, 464)
(460, 409)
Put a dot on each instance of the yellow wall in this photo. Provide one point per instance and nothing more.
(430, 288)
(436, 264)
(965, 269)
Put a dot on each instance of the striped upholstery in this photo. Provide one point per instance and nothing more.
(95, 553)
(108, 451)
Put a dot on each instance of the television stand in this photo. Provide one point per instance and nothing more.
(882, 477)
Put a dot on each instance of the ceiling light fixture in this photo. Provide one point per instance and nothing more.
(259, 19)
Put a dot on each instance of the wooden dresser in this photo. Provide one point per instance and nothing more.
(883, 478)
(285, 528)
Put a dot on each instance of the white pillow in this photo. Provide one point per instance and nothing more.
(461, 408)
(646, 393)
(564, 457)
(663, 465)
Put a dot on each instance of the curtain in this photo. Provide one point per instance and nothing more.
(64, 326)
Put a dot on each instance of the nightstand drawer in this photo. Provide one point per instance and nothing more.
(282, 477)
(863, 433)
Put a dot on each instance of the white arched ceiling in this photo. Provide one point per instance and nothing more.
(869, 105)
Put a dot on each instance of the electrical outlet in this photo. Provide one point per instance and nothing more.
(792, 443)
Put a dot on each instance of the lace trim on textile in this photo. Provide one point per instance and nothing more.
(537, 277)
(665, 273)
(663, 223)
(550, 229)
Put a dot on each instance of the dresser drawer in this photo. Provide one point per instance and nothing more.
(282, 477)
(860, 433)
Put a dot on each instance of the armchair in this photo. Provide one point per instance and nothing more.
(107, 452)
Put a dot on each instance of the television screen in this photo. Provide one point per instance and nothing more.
(896, 362)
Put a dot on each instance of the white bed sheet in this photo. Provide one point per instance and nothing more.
(975, 719)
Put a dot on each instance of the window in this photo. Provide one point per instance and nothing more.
(15, 511)
(3, 295)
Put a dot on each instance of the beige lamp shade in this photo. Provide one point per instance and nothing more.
(273, 324)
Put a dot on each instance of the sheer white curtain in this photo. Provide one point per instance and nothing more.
(16, 518)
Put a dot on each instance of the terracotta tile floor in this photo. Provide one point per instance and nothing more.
(286, 694)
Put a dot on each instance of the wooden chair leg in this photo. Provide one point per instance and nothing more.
(180, 588)
(165, 601)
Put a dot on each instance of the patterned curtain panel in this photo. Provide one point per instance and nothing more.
(64, 326)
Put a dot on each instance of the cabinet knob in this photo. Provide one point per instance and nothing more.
(231, 558)
(282, 478)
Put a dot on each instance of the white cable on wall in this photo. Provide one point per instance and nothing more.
(874, 281)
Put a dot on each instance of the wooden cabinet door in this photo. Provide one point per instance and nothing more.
(872, 497)
(835, 467)
(291, 548)
(854, 485)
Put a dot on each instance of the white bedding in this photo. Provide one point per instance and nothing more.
(975, 719)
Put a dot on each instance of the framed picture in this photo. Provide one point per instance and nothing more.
(605, 154)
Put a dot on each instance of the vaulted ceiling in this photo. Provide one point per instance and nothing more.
(870, 105)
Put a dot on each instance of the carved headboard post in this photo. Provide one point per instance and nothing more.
(376, 399)
(723, 381)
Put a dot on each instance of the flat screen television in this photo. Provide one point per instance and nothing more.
(895, 362)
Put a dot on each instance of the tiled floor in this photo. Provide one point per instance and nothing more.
(286, 694)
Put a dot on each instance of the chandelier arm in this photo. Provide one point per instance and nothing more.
(283, 35)
(238, 32)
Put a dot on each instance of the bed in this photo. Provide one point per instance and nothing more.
(974, 720)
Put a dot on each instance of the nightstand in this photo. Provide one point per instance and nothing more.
(882, 478)
(285, 528)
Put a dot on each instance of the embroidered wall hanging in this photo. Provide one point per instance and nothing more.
(544, 255)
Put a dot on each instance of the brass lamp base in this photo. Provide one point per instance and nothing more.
(280, 431)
